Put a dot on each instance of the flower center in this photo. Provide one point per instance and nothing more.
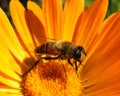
(50, 79)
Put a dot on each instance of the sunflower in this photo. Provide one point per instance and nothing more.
(100, 37)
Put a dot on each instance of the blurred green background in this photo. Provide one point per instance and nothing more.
(114, 5)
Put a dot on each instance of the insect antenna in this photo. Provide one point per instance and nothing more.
(47, 38)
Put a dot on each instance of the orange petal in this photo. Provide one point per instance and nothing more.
(89, 23)
(35, 22)
(72, 10)
(52, 12)
(103, 62)
(107, 81)
(18, 14)
(36, 10)
(108, 35)
(106, 50)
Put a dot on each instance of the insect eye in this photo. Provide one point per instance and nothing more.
(77, 54)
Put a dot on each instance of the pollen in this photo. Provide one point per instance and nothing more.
(50, 79)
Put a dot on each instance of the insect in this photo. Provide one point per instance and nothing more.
(62, 50)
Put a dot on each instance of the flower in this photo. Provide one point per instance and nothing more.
(20, 75)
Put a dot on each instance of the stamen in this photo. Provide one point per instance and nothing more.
(48, 79)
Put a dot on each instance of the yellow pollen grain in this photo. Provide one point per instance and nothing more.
(49, 79)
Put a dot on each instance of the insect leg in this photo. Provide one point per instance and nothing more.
(36, 62)
(75, 67)
(63, 65)
(64, 69)
(50, 58)
(70, 62)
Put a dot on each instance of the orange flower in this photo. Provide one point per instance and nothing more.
(100, 38)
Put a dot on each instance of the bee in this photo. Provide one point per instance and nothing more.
(62, 50)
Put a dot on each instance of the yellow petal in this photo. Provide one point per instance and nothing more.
(9, 43)
(10, 82)
(8, 64)
(72, 10)
(19, 18)
(5, 94)
(52, 13)
(9, 38)
(89, 23)
(10, 92)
